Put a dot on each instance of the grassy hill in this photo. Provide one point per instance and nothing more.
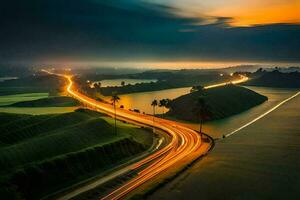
(59, 101)
(275, 79)
(40, 154)
(222, 102)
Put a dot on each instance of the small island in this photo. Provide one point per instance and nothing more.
(221, 102)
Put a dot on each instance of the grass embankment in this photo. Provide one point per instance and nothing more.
(45, 153)
(222, 102)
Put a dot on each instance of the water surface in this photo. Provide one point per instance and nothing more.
(221, 127)
(258, 162)
(142, 100)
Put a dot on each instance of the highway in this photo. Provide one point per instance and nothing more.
(185, 144)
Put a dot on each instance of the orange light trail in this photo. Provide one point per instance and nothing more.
(185, 143)
(241, 80)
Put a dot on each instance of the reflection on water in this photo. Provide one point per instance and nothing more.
(142, 101)
(117, 82)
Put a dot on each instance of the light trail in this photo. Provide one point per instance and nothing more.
(185, 143)
(241, 80)
(264, 114)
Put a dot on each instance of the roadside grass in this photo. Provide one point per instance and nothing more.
(142, 135)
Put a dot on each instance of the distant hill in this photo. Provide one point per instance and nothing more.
(241, 68)
(275, 79)
(48, 102)
(168, 80)
(222, 102)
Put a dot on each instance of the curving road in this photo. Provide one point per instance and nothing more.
(185, 145)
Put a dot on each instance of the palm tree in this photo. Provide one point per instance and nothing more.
(202, 109)
(154, 104)
(114, 99)
(168, 103)
(163, 103)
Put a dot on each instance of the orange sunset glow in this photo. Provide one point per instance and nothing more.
(264, 14)
(242, 13)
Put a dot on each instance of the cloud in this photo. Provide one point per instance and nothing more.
(133, 30)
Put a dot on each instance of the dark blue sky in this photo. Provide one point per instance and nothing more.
(114, 30)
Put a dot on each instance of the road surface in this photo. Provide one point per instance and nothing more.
(185, 144)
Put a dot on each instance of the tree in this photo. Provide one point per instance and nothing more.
(196, 88)
(168, 103)
(154, 104)
(97, 85)
(115, 99)
(202, 110)
(163, 103)
(123, 83)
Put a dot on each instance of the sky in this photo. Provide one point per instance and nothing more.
(150, 31)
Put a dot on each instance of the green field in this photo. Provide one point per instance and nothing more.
(10, 99)
(61, 149)
(56, 101)
(37, 104)
(146, 138)
(15, 90)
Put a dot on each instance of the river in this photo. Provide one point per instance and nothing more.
(142, 101)
(221, 127)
